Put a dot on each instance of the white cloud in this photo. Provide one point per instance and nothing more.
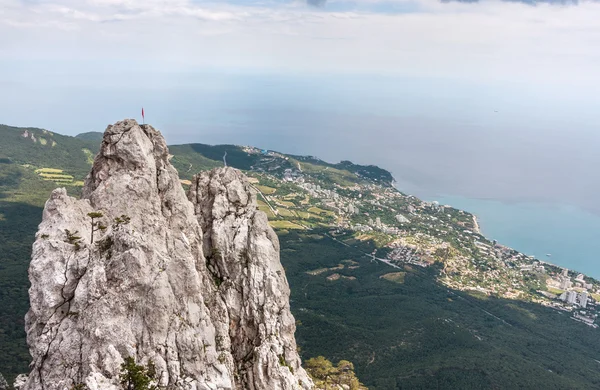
(490, 40)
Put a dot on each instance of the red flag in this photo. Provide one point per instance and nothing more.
(142, 112)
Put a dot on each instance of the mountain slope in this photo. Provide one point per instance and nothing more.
(91, 136)
(46, 149)
(405, 324)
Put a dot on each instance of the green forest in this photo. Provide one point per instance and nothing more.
(399, 327)
(420, 335)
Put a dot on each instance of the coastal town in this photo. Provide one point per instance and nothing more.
(306, 193)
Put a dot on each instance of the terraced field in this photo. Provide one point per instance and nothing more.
(58, 176)
(266, 190)
(279, 224)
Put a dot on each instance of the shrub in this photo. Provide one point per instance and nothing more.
(137, 377)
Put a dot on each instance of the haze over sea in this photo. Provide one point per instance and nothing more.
(532, 186)
(460, 100)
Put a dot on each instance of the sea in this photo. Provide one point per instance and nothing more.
(522, 157)
(563, 235)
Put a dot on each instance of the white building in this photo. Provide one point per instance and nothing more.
(583, 297)
(401, 219)
(565, 284)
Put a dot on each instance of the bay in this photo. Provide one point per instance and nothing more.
(568, 233)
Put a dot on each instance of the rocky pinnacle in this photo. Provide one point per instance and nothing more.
(190, 283)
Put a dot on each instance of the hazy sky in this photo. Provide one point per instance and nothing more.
(487, 40)
(487, 99)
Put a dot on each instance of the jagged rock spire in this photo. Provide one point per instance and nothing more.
(242, 253)
(144, 289)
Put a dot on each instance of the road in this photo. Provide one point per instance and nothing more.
(386, 261)
(275, 212)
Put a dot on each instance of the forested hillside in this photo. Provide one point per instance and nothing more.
(397, 323)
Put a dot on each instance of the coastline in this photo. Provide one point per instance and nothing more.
(534, 229)
(476, 226)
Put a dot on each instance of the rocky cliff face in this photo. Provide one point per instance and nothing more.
(242, 253)
(194, 286)
(3, 383)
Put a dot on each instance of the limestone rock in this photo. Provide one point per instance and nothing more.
(3, 383)
(242, 253)
(135, 281)
(20, 381)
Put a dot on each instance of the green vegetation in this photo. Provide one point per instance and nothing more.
(73, 239)
(189, 162)
(66, 155)
(266, 190)
(23, 192)
(306, 215)
(368, 172)
(328, 174)
(89, 154)
(95, 225)
(285, 225)
(136, 376)
(402, 329)
(285, 203)
(318, 211)
(325, 375)
(262, 206)
(48, 171)
(91, 136)
(191, 158)
(379, 239)
(421, 335)
(57, 176)
(396, 277)
(22, 196)
(371, 172)
(523, 311)
(555, 290)
(122, 220)
(286, 213)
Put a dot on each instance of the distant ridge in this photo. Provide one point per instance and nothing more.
(90, 136)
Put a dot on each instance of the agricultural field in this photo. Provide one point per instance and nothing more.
(279, 224)
(285, 203)
(286, 212)
(555, 290)
(318, 211)
(328, 174)
(262, 206)
(396, 277)
(58, 176)
(266, 190)
(307, 215)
